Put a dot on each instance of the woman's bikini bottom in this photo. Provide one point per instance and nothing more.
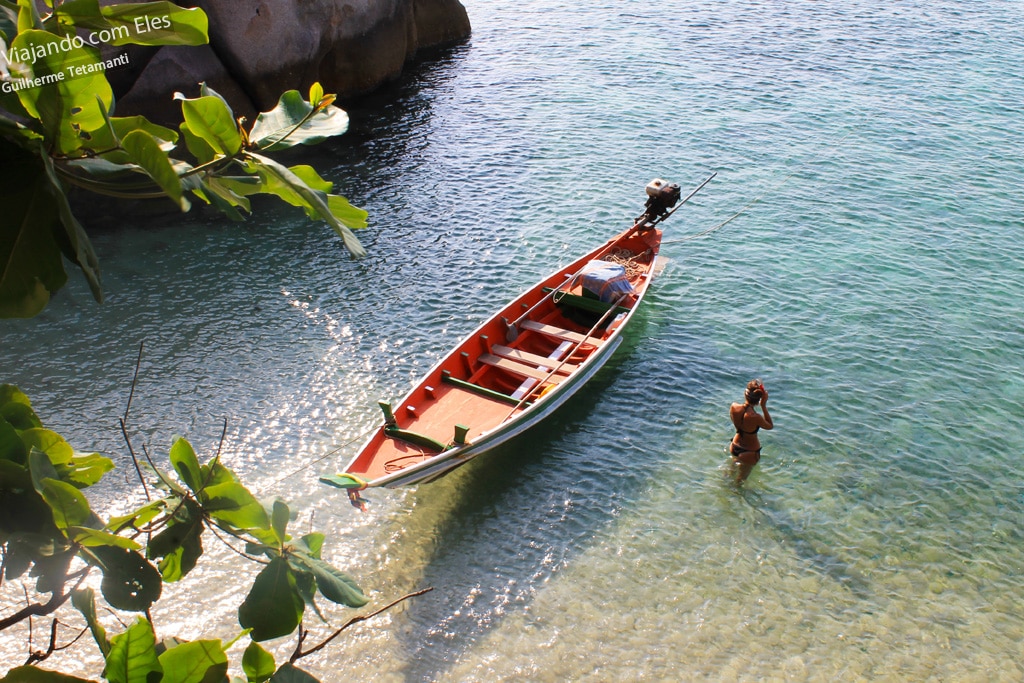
(744, 456)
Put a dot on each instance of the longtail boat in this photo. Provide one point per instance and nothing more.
(520, 365)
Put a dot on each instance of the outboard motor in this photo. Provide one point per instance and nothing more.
(661, 196)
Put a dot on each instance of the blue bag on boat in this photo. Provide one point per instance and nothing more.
(605, 280)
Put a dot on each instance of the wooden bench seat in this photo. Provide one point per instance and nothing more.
(533, 359)
(559, 333)
(520, 369)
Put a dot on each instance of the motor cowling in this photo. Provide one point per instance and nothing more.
(664, 191)
(661, 196)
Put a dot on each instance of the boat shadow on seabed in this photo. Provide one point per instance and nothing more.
(500, 527)
(502, 524)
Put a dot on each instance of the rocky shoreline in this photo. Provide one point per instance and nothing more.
(260, 48)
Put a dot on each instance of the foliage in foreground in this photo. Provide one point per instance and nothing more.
(58, 129)
(50, 534)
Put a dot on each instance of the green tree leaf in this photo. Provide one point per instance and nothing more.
(211, 120)
(296, 122)
(316, 94)
(206, 91)
(22, 549)
(53, 444)
(283, 182)
(350, 216)
(16, 408)
(339, 207)
(186, 464)
(52, 571)
(309, 176)
(23, 132)
(257, 663)
(166, 138)
(279, 519)
(85, 469)
(72, 101)
(216, 473)
(30, 259)
(163, 481)
(72, 14)
(158, 23)
(274, 606)
(224, 197)
(129, 583)
(137, 518)
(28, 16)
(199, 661)
(101, 169)
(334, 584)
(240, 185)
(152, 23)
(31, 674)
(8, 19)
(289, 673)
(311, 544)
(40, 468)
(32, 541)
(144, 150)
(306, 583)
(77, 469)
(85, 602)
(266, 545)
(73, 241)
(202, 150)
(233, 504)
(69, 506)
(12, 450)
(91, 538)
(180, 545)
(132, 656)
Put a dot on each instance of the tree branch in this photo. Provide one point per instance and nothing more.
(216, 458)
(42, 609)
(124, 421)
(299, 654)
(39, 656)
(214, 528)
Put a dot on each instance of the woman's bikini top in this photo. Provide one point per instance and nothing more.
(739, 427)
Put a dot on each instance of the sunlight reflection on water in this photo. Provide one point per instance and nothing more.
(873, 284)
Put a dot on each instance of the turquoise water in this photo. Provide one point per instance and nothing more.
(870, 160)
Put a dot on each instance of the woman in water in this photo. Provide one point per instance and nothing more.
(745, 447)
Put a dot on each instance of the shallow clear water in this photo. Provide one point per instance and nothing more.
(871, 278)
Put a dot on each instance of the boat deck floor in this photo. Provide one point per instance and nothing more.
(450, 406)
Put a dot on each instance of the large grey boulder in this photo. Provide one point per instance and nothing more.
(179, 69)
(260, 48)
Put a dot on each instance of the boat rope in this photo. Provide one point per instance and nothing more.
(392, 465)
(362, 437)
(512, 329)
(755, 200)
(628, 260)
(730, 219)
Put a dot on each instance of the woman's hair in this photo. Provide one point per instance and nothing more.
(754, 392)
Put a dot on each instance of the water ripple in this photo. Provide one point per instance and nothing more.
(871, 278)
